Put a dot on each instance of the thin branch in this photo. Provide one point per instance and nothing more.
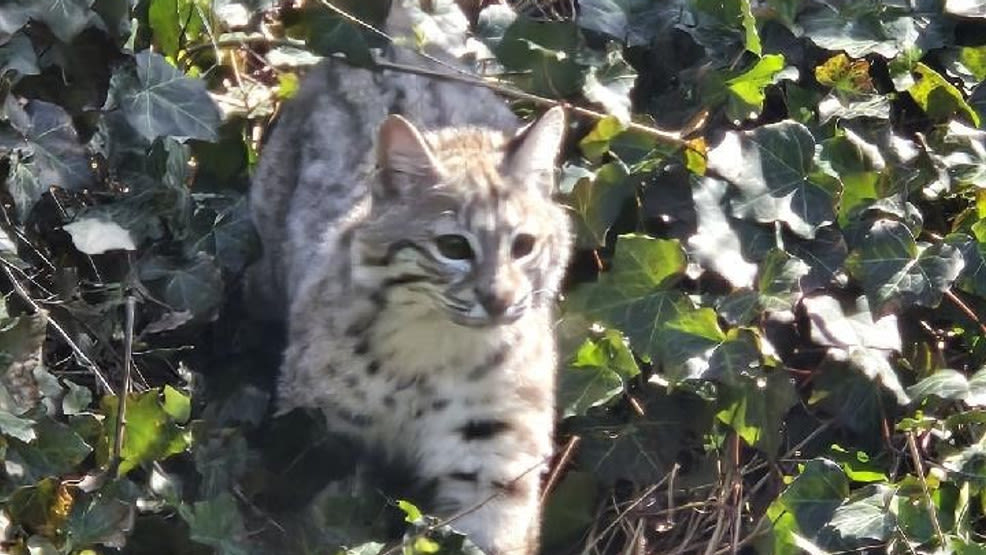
(560, 464)
(961, 305)
(919, 467)
(130, 309)
(83, 358)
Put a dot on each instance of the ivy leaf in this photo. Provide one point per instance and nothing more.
(852, 326)
(687, 342)
(195, 286)
(174, 21)
(541, 50)
(962, 152)
(634, 295)
(327, 33)
(779, 282)
(859, 28)
(17, 427)
(754, 406)
(843, 74)
(161, 102)
(49, 152)
(939, 98)
(717, 246)
(772, 168)
(598, 374)
(609, 84)
(217, 523)
(65, 18)
(596, 143)
(747, 90)
(866, 515)
(597, 201)
(103, 517)
(896, 271)
(966, 8)
(97, 235)
(807, 504)
(151, 433)
(227, 233)
(17, 57)
(950, 384)
(56, 450)
(635, 22)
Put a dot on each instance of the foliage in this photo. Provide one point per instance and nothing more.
(771, 339)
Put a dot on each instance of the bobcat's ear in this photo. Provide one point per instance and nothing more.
(404, 158)
(532, 153)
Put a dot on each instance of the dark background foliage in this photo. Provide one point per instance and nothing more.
(771, 332)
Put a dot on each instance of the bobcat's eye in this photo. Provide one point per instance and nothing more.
(523, 245)
(454, 247)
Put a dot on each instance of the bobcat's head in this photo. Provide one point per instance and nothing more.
(464, 217)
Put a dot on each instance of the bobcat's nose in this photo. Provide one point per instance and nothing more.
(495, 305)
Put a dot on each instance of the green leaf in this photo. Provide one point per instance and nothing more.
(49, 153)
(598, 374)
(687, 342)
(779, 282)
(807, 504)
(610, 83)
(217, 523)
(866, 515)
(103, 517)
(747, 90)
(175, 23)
(859, 28)
(852, 325)
(596, 143)
(772, 168)
(161, 102)
(570, 509)
(178, 405)
(896, 271)
(951, 384)
(17, 58)
(55, 451)
(96, 235)
(633, 296)
(939, 98)
(755, 405)
(598, 201)
(195, 286)
(412, 514)
(857, 465)
(65, 18)
(635, 22)
(17, 427)
(542, 51)
(151, 434)
(327, 33)
(717, 245)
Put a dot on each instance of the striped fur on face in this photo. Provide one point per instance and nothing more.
(464, 219)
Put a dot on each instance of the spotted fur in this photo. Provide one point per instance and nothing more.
(420, 281)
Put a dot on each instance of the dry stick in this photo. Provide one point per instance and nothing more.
(556, 472)
(83, 358)
(965, 309)
(130, 308)
(919, 466)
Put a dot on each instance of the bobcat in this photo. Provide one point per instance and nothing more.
(419, 256)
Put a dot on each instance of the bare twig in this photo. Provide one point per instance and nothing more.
(79, 353)
(929, 503)
(962, 306)
(130, 308)
(560, 464)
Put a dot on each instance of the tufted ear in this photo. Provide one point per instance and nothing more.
(532, 153)
(404, 158)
